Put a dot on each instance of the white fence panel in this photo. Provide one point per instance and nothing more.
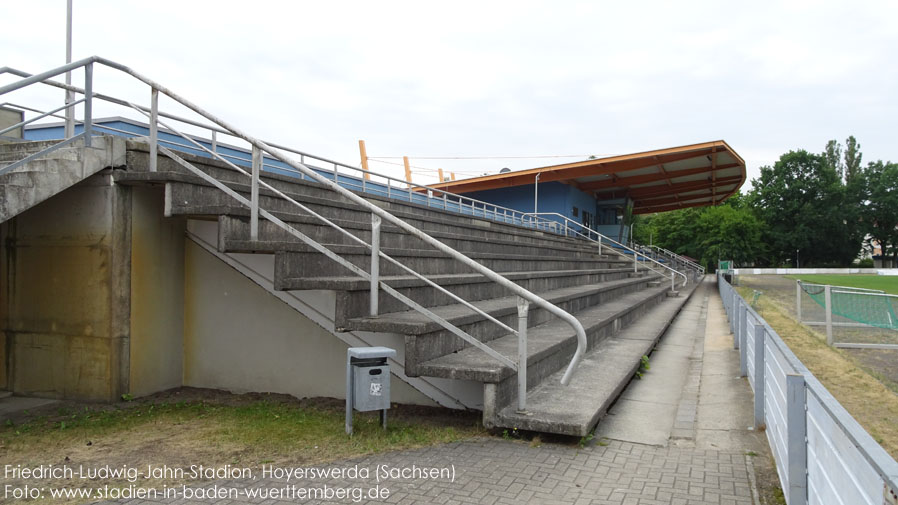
(837, 471)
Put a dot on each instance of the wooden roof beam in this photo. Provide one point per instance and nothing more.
(645, 179)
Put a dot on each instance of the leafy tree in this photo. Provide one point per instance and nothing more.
(807, 209)
(852, 159)
(833, 155)
(880, 212)
(730, 230)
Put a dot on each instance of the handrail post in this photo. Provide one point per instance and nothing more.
(214, 141)
(254, 195)
(796, 434)
(635, 262)
(88, 102)
(154, 129)
(523, 307)
(375, 263)
(673, 286)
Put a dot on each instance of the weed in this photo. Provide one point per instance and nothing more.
(751, 453)
(127, 397)
(585, 440)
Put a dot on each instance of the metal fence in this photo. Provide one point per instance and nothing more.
(823, 456)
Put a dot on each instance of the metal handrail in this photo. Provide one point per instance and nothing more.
(678, 257)
(603, 237)
(418, 189)
(260, 147)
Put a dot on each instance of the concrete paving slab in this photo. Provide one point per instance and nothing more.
(641, 422)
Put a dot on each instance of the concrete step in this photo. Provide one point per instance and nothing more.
(40, 179)
(236, 229)
(600, 378)
(317, 194)
(426, 340)
(298, 260)
(353, 297)
(542, 341)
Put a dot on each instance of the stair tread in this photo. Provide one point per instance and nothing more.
(354, 283)
(472, 363)
(599, 379)
(411, 322)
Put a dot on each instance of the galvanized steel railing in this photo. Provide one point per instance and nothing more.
(259, 149)
(569, 228)
(676, 257)
(823, 456)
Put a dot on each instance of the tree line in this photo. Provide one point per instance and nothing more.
(808, 209)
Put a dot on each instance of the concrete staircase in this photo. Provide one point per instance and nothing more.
(624, 312)
(35, 181)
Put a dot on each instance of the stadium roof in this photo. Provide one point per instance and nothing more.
(666, 179)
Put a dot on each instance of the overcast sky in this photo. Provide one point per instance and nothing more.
(471, 79)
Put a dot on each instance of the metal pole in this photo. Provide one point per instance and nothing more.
(760, 350)
(375, 263)
(348, 394)
(828, 303)
(154, 129)
(254, 195)
(523, 307)
(69, 94)
(796, 426)
(215, 141)
(798, 300)
(88, 102)
(536, 194)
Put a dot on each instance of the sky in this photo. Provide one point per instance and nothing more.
(499, 84)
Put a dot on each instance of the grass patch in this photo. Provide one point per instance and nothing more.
(244, 431)
(886, 283)
(867, 399)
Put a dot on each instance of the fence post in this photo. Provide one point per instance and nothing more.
(796, 439)
(743, 344)
(737, 320)
(828, 302)
(760, 352)
(798, 300)
(154, 129)
(523, 307)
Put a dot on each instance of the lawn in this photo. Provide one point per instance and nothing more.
(191, 427)
(886, 283)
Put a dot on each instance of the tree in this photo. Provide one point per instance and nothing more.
(852, 159)
(730, 230)
(880, 212)
(833, 156)
(807, 210)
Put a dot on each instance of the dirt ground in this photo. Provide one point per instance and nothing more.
(881, 363)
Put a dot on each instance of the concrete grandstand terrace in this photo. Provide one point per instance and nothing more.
(678, 437)
(186, 274)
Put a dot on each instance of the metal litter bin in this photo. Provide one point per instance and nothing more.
(367, 382)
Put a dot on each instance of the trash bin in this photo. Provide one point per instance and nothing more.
(367, 382)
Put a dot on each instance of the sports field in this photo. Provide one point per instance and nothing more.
(887, 283)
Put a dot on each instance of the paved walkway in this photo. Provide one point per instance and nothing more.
(679, 436)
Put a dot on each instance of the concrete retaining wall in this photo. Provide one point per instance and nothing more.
(65, 298)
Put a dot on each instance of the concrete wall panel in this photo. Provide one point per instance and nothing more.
(157, 295)
(240, 338)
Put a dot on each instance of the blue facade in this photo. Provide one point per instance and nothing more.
(562, 199)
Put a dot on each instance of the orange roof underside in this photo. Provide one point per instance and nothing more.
(666, 179)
